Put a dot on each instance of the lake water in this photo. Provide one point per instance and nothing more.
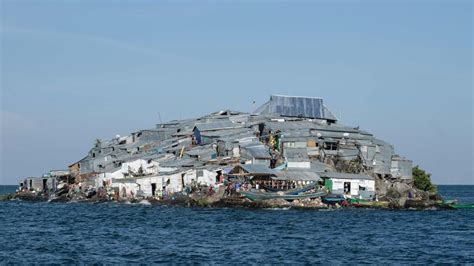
(118, 233)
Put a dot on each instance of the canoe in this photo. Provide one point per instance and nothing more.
(295, 191)
(333, 199)
(463, 206)
(257, 195)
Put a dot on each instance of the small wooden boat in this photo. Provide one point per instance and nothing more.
(258, 195)
(293, 191)
(360, 203)
(463, 206)
(333, 199)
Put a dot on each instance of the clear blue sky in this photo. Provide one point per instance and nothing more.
(74, 71)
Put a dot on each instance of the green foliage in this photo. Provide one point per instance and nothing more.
(422, 180)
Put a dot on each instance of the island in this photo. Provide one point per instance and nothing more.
(290, 152)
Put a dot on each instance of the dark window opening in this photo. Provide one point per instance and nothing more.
(93, 155)
(332, 146)
(347, 187)
(219, 177)
(153, 188)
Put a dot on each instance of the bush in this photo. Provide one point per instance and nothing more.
(422, 180)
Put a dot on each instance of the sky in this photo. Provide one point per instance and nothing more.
(75, 71)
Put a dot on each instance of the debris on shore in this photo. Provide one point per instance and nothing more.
(292, 152)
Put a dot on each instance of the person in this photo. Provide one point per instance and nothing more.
(257, 186)
(237, 187)
(344, 203)
(227, 190)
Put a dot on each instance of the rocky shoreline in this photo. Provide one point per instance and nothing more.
(434, 201)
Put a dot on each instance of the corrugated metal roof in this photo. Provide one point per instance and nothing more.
(258, 152)
(337, 175)
(184, 162)
(254, 169)
(320, 167)
(297, 175)
(291, 125)
(226, 132)
(217, 125)
(197, 151)
(296, 154)
(295, 106)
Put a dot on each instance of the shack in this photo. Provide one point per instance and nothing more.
(350, 185)
(255, 154)
(297, 158)
(39, 184)
(401, 168)
(293, 178)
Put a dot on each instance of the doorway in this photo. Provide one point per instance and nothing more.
(45, 184)
(153, 188)
(347, 187)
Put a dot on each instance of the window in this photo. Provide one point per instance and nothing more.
(289, 144)
(332, 146)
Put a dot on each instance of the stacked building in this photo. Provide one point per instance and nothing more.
(287, 142)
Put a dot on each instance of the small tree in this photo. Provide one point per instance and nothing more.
(422, 180)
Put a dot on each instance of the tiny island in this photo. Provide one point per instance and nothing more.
(290, 152)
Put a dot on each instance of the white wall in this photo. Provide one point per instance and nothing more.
(208, 178)
(145, 185)
(148, 168)
(108, 176)
(338, 184)
(129, 187)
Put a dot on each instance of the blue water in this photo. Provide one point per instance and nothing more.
(115, 233)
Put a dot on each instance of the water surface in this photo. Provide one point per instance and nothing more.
(118, 233)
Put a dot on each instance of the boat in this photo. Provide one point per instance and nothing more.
(463, 206)
(360, 203)
(295, 191)
(333, 199)
(258, 195)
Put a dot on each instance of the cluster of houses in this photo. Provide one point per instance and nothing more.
(286, 143)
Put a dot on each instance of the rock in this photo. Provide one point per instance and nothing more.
(276, 202)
